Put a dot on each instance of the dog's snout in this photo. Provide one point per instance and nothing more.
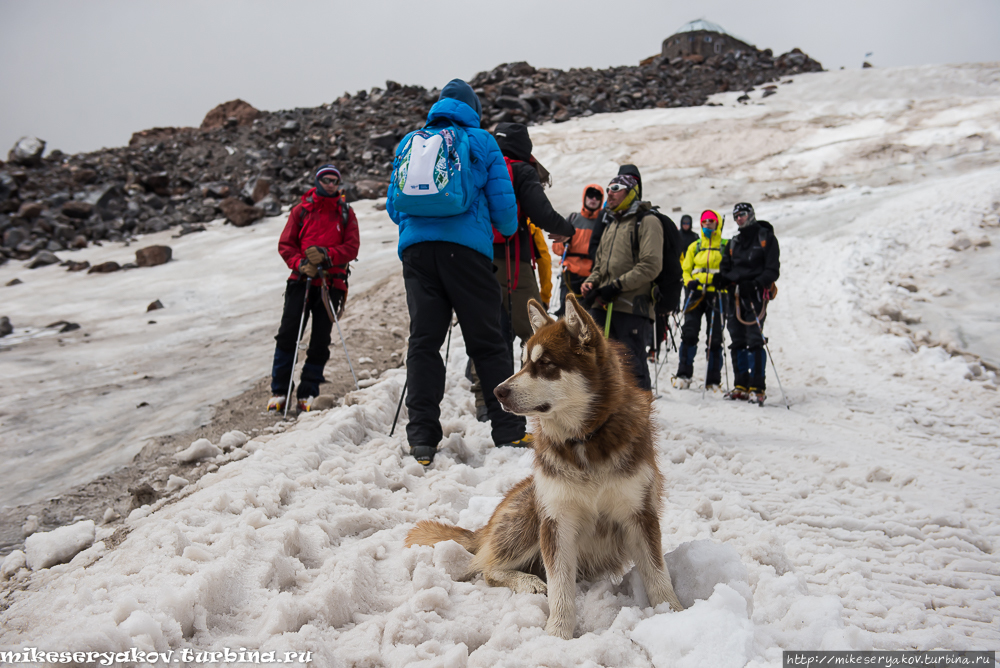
(501, 392)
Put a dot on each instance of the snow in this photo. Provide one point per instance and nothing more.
(865, 517)
(48, 548)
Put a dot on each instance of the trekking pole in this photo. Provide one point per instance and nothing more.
(775, 368)
(607, 320)
(510, 301)
(447, 345)
(725, 361)
(295, 355)
(656, 371)
(708, 346)
(395, 418)
(336, 320)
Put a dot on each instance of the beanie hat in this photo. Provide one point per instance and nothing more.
(744, 207)
(632, 170)
(686, 220)
(326, 170)
(632, 184)
(708, 214)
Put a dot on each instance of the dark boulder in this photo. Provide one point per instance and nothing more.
(104, 268)
(150, 256)
(77, 209)
(239, 213)
(243, 112)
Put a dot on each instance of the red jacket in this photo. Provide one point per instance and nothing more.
(319, 221)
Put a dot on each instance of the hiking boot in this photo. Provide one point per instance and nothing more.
(424, 454)
(305, 404)
(713, 387)
(525, 441)
(757, 397)
(737, 394)
(276, 403)
(680, 383)
(482, 414)
(651, 357)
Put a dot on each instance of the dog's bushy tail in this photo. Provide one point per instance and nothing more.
(428, 532)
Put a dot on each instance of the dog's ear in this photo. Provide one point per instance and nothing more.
(578, 322)
(538, 316)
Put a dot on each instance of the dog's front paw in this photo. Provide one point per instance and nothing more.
(560, 628)
(530, 584)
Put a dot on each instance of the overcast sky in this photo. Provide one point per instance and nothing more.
(82, 75)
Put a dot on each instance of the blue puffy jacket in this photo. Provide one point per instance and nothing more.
(493, 206)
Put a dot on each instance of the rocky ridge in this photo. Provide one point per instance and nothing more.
(243, 163)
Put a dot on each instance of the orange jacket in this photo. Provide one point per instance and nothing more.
(577, 260)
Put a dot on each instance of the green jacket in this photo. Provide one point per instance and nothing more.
(616, 260)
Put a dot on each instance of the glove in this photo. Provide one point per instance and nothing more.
(318, 256)
(693, 285)
(588, 300)
(308, 268)
(748, 289)
(608, 292)
(721, 281)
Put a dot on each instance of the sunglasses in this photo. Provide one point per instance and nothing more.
(617, 187)
(328, 180)
(741, 214)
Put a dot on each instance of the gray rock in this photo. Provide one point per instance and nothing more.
(5, 326)
(43, 259)
(14, 237)
(27, 151)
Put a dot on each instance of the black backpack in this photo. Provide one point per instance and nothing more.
(667, 285)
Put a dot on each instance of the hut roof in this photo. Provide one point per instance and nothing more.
(702, 24)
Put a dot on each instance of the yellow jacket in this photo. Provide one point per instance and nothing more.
(700, 264)
(544, 264)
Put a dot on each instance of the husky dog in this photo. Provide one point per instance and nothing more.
(592, 506)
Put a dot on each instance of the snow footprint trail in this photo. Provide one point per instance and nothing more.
(880, 486)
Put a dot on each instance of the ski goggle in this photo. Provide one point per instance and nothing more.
(330, 180)
(593, 192)
(617, 187)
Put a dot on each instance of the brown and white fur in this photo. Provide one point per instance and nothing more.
(592, 506)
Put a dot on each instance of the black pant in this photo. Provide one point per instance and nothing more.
(634, 331)
(288, 333)
(441, 277)
(708, 308)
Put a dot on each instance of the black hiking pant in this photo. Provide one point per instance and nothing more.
(441, 277)
(707, 308)
(635, 332)
(288, 332)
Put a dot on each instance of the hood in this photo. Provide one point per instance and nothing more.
(313, 201)
(458, 103)
(583, 196)
(716, 238)
(514, 140)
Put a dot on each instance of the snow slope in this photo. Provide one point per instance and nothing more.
(76, 411)
(866, 516)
